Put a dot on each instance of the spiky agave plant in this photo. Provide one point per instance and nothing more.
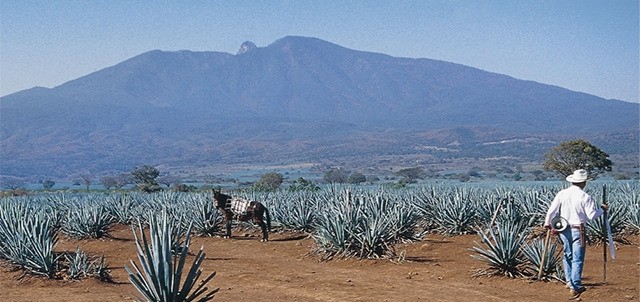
(627, 197)
(455, 213)
(78, 264)
(121, 207)
(552, 257)
(630, 196)
(40, 240)
(28, 237)
(362, 224)
(501, 249)
(206, 219)
(87, 219)
(331, 230)
(295, 210)
(373, 235)
(616, 216)
(160, 278)
(535, 202)
(633, 219)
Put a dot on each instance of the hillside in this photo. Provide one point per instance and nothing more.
(296, 100)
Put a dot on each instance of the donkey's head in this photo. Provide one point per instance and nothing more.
(219, 199)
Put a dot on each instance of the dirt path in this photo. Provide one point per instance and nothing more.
(435, 269)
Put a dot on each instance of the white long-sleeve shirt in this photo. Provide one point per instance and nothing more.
(575, 206)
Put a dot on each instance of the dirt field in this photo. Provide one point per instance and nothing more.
(436, 269)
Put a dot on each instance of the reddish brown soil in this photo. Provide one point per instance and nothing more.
(435, 269)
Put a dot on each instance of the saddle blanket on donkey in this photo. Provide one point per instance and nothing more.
(239, 206)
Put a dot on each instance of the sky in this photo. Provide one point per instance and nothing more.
(590, 46)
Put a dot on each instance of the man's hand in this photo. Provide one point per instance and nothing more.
(604, 206)
(553, 231)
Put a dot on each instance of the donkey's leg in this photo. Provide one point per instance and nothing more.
(228, 222)
(265, 234)
(263, 227)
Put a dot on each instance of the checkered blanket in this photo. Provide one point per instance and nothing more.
(239, 206)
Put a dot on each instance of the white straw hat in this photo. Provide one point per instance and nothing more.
(578, 176)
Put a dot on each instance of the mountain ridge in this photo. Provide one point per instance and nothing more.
(294, 97)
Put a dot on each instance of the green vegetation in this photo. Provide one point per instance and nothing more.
(48, 184)
(145, 178)
(80, 265)
(159, 276)
(504, 249)
(336, 175)
(116, 181)
(28, 237)
(356, 178)
(577, 154)
(365, 224)
(560, 161)
(302, 184)
(533, 252)
(269, 182)
(411, 174)
(86, 218)
(344, 221)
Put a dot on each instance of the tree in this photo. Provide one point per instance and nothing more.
(185, 188)
(577, 154)
(336, 175)
(122, 180)
(302, 184)
(145, 178)
(464, 177)
(373, 178)
(168, 180)
(108, 182)
(118, 181)
(356, 178)
(411, 173)
(48, 184)
(87, 180)
(538, 175)
(269, 182)
(474, 172)
(12, 183)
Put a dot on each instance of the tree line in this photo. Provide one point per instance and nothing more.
(562, 159)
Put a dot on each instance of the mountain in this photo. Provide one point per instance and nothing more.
(298, 99)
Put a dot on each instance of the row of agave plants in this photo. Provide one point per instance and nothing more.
(30, 228)
(343, 221)
(507, 219)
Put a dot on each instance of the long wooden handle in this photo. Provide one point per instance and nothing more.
(544, 253)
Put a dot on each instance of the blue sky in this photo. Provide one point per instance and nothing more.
(583, 45)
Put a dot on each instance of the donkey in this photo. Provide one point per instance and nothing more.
(243, 210)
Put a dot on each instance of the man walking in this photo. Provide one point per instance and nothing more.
(576, 207)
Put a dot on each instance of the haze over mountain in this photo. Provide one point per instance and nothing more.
(297, 100)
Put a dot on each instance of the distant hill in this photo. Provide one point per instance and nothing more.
(297, 100)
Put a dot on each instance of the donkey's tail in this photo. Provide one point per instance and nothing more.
(266, 212)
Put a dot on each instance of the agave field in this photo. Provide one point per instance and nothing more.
(344, 222)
